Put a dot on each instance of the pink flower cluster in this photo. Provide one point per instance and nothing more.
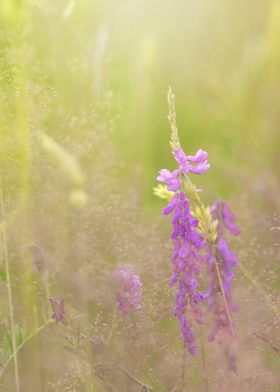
(129, 287)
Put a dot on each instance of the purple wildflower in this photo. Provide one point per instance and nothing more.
(186, 266)
(196, 164)
(58, 310)
(128, 293)
(215, 303)
(228, 219)
(221, 211)
(226, 261)
(170, 178)
(232, 358)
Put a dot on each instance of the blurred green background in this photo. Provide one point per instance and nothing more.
(83, 123)
(221, 59)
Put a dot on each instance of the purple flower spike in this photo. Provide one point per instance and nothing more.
(186, 267)
(188, 334)
(58, 310)
(230, 258)
(199, 246)
(226, 260)
(221, 211)
(128, 293)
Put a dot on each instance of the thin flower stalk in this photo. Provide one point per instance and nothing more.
(23, 343)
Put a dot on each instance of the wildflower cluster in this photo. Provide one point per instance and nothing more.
(128, 295)
(198, 235)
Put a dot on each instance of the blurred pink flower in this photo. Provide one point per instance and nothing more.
(129, 287)
(58, 310)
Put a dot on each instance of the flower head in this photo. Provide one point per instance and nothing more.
(58, 309)
(170, 179)
(129, 286)
(196, 164)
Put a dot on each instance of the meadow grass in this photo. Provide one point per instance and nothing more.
(83, 133)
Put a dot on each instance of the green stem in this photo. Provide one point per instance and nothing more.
(9, 288)
(136, 380)
(112, 325)
(29, 337)
(223, 294)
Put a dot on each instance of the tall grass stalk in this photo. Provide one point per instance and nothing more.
(203, 360)
(9, 288)
(113, 325)
(224, 296)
